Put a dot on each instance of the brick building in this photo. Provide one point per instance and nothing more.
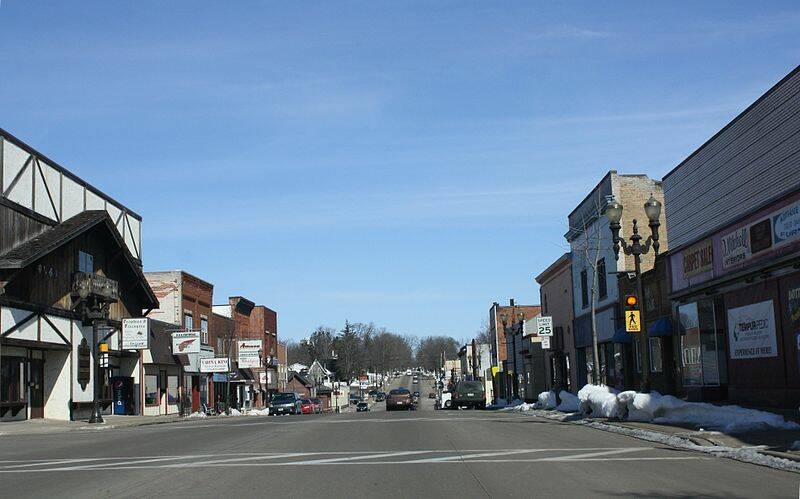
(555, 293)
(503, 382)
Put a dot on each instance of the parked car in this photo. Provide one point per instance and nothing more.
(285, 403)
(380, 397)
(306, 406)
(318, 406)
(399, 398)
(469, 394)
(362, 407)
(415, 380)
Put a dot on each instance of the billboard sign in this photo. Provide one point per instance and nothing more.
(249, 353)
(184, 342)
(215, 365)
(136, 334)
(751, 331)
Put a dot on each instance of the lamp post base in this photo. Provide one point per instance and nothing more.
(96, 417)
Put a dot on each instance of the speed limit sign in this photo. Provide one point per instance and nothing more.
(544, 326)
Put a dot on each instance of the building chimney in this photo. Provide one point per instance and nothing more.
(511, 302)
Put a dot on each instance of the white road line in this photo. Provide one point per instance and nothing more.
(55, 461)
(596, 454)
(357, 458)
(460, 457)
(137, 461)
(236, 460)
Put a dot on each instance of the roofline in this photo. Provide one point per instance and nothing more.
(19, 143)
(551, 269)
(738, 117)
(180, 271)
(608, 174)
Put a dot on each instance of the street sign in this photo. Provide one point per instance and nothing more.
(544, 326)
(185, 342)
(546, 342)
(633, 323)
(136, 334)
(215, 365)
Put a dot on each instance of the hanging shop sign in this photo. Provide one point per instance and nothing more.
(184, 342)
(215, 365)
(136, 334)
(249, 353)
(751, 331)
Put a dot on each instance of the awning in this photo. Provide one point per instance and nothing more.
(621, 336)
(660, 327)
(219, 378)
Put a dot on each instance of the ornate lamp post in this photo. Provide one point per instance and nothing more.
(652, 209)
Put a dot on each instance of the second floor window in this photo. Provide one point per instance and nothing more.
(584, 289)
(204, 330)
(85, 262)
(602, 285)
(188, 322)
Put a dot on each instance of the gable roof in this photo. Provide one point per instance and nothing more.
(301, 378)
(55, 237)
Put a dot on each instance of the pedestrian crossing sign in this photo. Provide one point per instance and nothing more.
(633, 323)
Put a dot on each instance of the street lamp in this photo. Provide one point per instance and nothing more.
(652, 208)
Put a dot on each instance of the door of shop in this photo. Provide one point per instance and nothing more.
(37, 388)
(195, 393)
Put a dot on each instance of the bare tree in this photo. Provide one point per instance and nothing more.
(483, 334)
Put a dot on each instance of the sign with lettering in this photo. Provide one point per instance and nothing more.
(185, 342)
(249, 353)
(736, 247)
(136, 333)
(794, 304)
(698, 259)
(84, 363)
(215, 365)
(544, 326)
(546, 342)
(633, 321)
(786, 225)
(751, 331)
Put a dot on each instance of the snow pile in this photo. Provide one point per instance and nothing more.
(522, 407)
(234, 412)
(259, 412)
(569, 402)
(546, 400)
(598, 401)
(197, 415)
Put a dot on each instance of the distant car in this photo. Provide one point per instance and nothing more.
(432, 395)
(306, 406)
(398, 399)
(415, 395)
(380, 397)
(362, 407)
(354, 399)
(285, 403)
(468, 394)
(318, 407)
(415, 380)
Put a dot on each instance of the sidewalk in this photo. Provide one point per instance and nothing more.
(773, 447)
(51, 426)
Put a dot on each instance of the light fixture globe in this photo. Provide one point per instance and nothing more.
(652, 209)
(613, 211)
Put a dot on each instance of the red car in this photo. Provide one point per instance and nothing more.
(306, 406)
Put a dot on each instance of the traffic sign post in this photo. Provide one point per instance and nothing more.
(633, 321)
(544, 326)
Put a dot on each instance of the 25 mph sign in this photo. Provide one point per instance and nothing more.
(544, 326)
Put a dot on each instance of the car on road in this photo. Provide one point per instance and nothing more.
(380, 397)
(468, 394)
(306, 406)
(399, 399)
(415, 380)
(318, 407)
(362, 407)
(285, 403)
(354, 399)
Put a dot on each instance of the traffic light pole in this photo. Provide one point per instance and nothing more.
(644, 340)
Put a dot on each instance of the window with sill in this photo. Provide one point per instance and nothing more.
(12, 380)
(152, 395)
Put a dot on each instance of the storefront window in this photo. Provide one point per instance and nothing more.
(172, 390)
(700, 348)
(12, 379)
(656, 362)
(151, 393)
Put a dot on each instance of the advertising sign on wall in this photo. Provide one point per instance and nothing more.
(698, 259)
(184, 342)
(136, 334)
(215, 365)
(786, 224)
(249, 353)
(735, 247)
(751, 331)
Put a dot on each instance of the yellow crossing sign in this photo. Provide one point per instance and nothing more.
(633, 323)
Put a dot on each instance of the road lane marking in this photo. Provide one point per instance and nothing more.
(596, 454)
(368, 456)
(136, 461)
(482, 454)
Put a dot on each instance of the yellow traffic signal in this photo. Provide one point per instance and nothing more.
(631, 300)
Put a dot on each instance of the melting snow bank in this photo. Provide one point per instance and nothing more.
(259, 412)
(197, 415)
(744, 454)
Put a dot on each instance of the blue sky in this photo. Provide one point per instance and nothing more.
(396, 162)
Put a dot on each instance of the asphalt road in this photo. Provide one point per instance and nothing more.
(421, 453)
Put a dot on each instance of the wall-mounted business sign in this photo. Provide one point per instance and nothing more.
(184, 342)
(249, 353)
(698, 259)
(751, 331)
(786, 224)
(136, 334)
(215, 365)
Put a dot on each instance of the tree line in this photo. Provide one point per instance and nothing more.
(361, 347)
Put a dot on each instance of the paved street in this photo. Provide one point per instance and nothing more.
(420, 453)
